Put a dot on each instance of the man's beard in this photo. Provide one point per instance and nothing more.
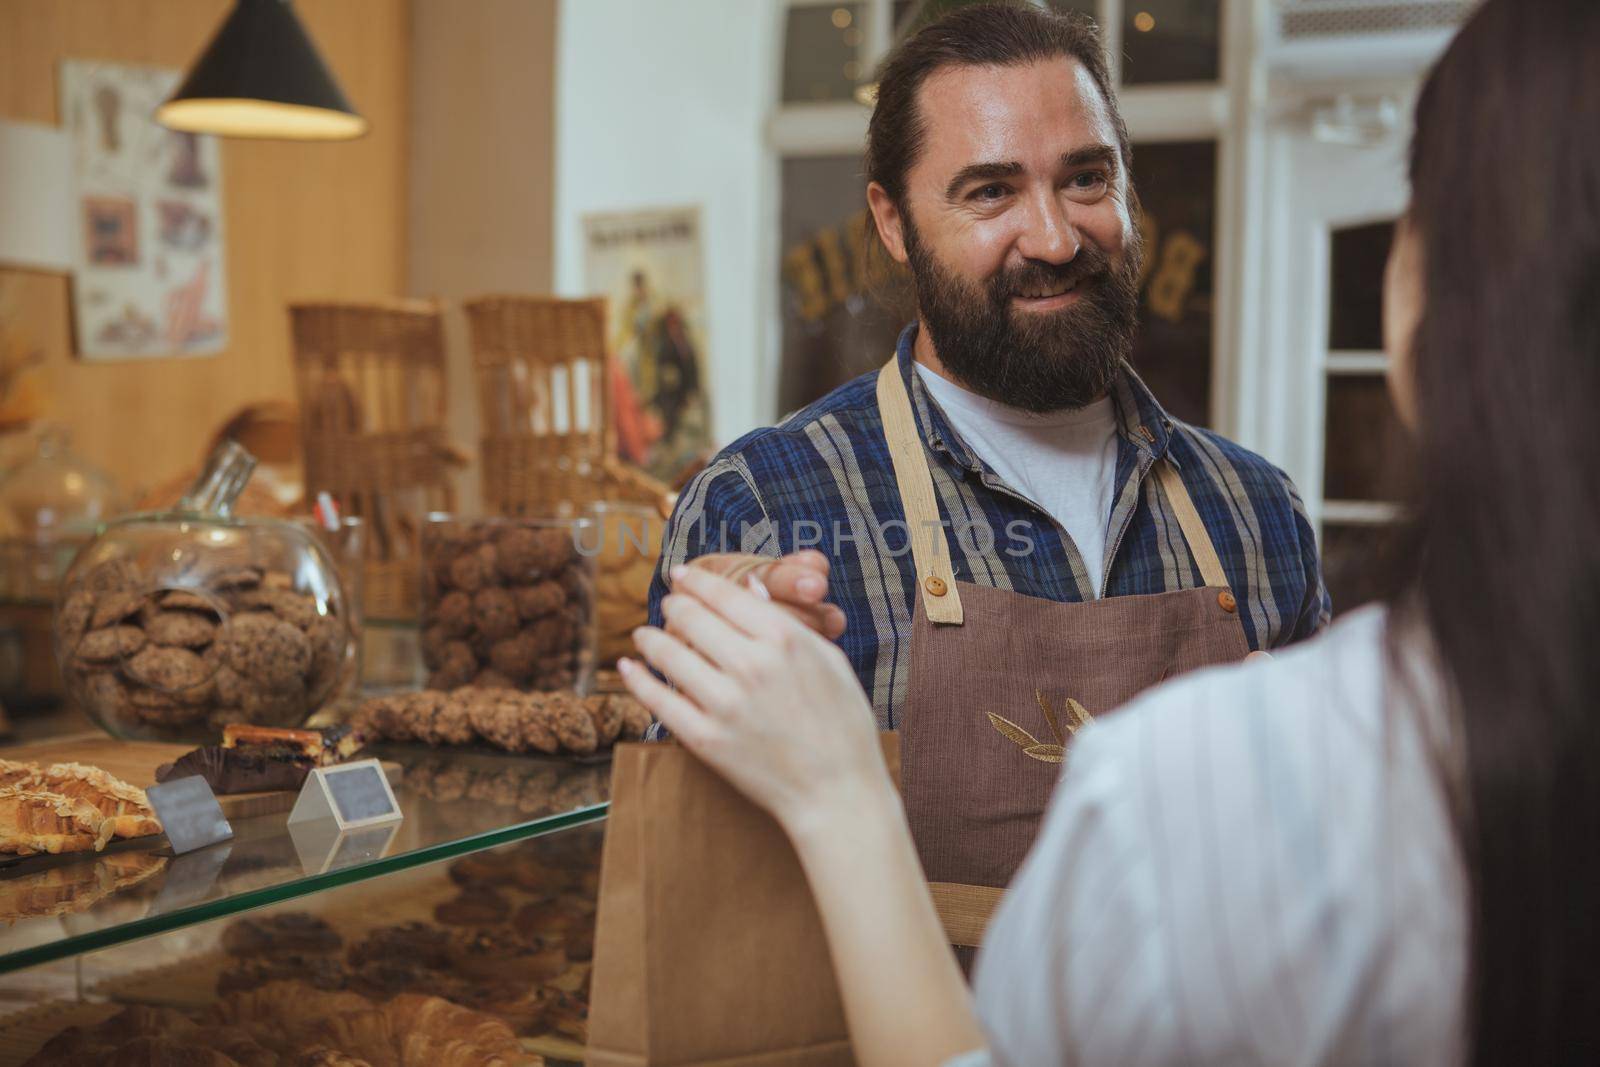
(1038, 361)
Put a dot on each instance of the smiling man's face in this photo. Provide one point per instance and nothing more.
(1017, 228)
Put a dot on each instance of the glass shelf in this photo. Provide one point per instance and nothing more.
(454, 802)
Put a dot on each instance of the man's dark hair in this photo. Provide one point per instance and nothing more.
(983, 35)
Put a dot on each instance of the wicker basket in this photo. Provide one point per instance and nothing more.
(371, 379)
(543, 372)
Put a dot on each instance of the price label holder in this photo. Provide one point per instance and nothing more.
(189, 814)
(344, 815)
(354, 795)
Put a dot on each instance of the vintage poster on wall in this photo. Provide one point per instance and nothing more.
(150, 279)
(647, 264)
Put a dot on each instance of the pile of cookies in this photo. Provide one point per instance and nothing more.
(155, 662)
(507, 719)
(506, 604)
(515, 944)
(290, 1022)
(532, 787)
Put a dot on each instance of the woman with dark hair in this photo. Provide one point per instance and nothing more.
(1376, 848)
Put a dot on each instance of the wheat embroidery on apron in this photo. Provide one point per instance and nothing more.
(1032, 747)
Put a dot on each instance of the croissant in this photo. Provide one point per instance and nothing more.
(417, 1013)
(125, 805)
(33, 822)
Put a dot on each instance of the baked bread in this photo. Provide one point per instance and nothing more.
(33, 822)
(123, 805)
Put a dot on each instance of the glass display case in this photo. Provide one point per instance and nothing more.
(482, 896)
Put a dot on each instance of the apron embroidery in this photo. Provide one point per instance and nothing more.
(1032, 746)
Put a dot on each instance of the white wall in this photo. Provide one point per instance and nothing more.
(661, 103)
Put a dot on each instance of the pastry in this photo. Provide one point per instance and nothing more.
(33, 822)
(571, 723)
(636, 718)
(110, 645)
(494, 613)
(229, 770)
(267, 650)
(186, 629)
(293, 932)
(485, 869)
(474, 907)
(504, 957)
(121, 804)
(318, 971)
(323, 746)
(607, 716)
(422, 943)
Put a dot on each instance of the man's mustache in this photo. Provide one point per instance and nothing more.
(1088, 265)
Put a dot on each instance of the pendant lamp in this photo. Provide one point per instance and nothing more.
(262, 77)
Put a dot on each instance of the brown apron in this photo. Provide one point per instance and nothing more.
(1000, 681)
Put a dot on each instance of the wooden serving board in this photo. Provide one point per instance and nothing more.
(135, 762)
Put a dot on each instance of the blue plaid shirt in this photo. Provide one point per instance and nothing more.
(823, 479)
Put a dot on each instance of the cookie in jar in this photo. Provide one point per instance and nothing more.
(508, 603)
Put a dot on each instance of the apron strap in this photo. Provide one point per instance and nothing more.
(1194, 531)
(930, 552)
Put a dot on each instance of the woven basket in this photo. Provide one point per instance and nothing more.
(371, 379)
(543, 371)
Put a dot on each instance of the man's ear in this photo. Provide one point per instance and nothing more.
(886, 217)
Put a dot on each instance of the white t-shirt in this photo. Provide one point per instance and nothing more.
(1251, 865)
(1063, 461)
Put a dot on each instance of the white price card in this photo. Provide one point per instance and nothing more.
(189, 813)
(352, 795)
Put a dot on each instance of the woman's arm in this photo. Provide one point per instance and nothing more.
(807, 752)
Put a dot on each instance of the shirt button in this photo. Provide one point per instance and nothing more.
(1228, 604)
(935, 586)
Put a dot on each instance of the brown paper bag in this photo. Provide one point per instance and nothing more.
(708, 948)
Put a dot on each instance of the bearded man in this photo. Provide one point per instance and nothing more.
(1005, 527)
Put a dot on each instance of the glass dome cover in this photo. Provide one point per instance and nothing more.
(172, 624)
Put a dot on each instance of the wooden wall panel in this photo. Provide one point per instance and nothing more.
(302, 220)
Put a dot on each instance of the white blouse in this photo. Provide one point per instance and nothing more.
(1251, 865)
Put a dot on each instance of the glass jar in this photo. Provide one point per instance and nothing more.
(509, 603)
(172, 624)
(625, 564)
(52, 504)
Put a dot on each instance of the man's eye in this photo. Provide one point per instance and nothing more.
(989, 192)
(1089, 179)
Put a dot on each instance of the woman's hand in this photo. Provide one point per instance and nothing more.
(798, 582)
(769, 704)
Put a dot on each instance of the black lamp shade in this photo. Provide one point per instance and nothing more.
(261, 76)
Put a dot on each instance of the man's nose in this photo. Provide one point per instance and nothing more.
(1047, 234)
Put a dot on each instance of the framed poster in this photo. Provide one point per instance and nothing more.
(648, 266)
(150, 277)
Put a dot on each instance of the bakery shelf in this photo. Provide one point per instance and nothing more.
(454, 802)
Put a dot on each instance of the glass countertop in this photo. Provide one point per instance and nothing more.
(453, 802)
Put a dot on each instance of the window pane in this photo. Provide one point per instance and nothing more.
(1362, 432)
(1353, 562)
(1177, 186)
(1171, 41)
(911, 15)
(1355, 287)
(820, 53)
(834, 326)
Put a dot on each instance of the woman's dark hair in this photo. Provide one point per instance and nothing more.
(1505, 175)
(982, 35)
